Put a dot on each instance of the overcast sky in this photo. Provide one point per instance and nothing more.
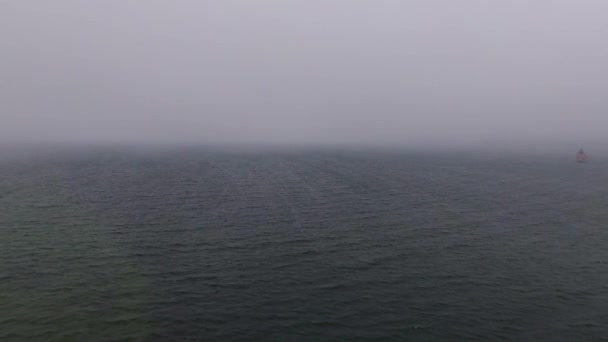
(294, 71)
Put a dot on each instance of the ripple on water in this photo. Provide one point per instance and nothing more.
(302, 246)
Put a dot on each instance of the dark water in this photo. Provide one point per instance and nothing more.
(326, 245)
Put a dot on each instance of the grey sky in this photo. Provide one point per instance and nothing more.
(344, 71)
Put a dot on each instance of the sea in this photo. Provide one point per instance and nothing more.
(327, 244)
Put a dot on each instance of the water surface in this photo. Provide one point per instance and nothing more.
(302, 245)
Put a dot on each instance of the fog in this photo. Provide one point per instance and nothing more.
(412, 73)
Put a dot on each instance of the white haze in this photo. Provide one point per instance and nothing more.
(399, 72)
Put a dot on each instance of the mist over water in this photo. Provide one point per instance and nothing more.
(412, 73)
(303, 170)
